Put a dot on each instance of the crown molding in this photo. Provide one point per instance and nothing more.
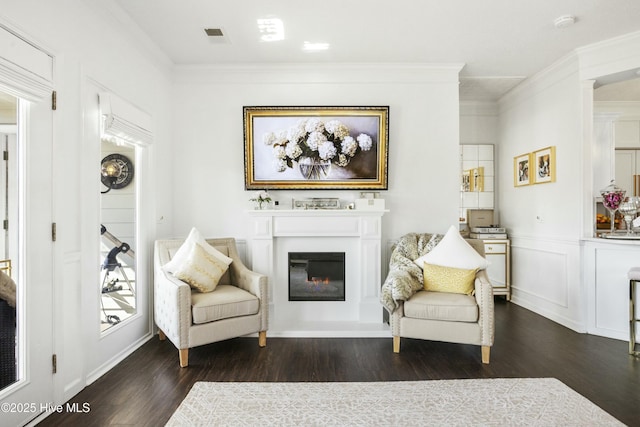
(319, 73)
(609, 56)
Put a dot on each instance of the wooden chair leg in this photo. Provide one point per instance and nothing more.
(184, 357)
(396, 344)
(161, 335)
(262, 338)
(486, 351)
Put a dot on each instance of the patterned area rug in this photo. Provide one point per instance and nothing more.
(494, 402)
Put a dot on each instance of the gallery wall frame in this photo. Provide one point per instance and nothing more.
(304, 147)
(544, 165)
(522, 170)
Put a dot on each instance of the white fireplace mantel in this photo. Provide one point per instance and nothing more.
(358, 233)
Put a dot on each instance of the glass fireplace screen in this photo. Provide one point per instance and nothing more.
(316, 276)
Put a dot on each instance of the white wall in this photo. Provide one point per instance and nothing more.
(208, 152)
(91, 44)
(478, 122)
(545, 220)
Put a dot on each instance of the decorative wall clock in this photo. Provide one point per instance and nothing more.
(116, 171)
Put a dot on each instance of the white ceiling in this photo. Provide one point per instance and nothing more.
(501, 42)
(505, 40)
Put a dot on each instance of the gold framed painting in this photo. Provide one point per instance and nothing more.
(544, 163)
(521, 170)
(316, 147)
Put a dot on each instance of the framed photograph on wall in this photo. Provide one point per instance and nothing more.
(521, 170)
(316, 147)
(544, 163)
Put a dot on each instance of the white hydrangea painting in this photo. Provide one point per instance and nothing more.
(300, 147)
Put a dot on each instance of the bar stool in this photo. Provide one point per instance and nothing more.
(634, 278)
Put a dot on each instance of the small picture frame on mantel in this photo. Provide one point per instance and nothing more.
(521, 170)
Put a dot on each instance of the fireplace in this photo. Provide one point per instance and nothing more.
(316, 276)
(356, 311)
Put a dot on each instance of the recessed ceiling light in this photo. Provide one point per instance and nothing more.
(315, 47)
(272, 29)
(564, 21)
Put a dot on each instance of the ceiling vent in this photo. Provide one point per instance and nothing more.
(214, 32)
(216, 35)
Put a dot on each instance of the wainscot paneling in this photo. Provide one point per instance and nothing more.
(71, 367)
(607, 286)
(545, 278)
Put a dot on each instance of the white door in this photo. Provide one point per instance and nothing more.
(32, 394)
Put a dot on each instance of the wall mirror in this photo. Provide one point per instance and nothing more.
(622, 98)
(617, 141)
(477, 178)
(118, 200)
(125, 134)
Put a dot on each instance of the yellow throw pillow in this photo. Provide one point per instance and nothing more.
(201, 270)
(448, 279)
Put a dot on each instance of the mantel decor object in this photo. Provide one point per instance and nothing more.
(316, 147)
(316, 203)
(262, 200)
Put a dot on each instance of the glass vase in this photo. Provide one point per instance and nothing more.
(612, 198)
(629, 210)
(314, 168)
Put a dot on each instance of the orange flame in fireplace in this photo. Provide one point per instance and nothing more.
(317, 281)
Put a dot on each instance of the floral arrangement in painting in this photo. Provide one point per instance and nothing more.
(312, 142)
(261, 197)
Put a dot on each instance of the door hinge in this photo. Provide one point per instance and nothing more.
(54, 363)
(5, 224)
(54, 100)
(54, 231)
(5, 155)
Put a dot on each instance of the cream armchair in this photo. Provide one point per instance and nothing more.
(437, 316)
(237, 306)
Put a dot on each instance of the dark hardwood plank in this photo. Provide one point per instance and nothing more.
(146, 388)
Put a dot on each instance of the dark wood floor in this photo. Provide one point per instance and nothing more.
(147, 387)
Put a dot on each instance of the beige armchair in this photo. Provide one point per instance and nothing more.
(437, 316)
(237, 306)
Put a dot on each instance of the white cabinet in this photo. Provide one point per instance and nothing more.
(498, 253)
